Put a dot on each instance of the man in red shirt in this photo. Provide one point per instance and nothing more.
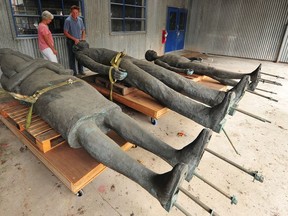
(45, 39)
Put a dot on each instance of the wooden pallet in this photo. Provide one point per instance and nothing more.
(42, 134)
(74, 167)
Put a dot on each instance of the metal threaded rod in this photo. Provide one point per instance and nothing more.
(268, 74)
(230, 141)
(251, 115)
(232, 198)
(270, 82)
(267, 97)
(265, 91)
(254, 174)
(203, 205)
(182, 209)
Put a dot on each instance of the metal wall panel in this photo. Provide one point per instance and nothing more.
(242, 28)
(97, 14)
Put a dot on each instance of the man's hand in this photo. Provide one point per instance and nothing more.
(76, 41)
(119, 74)
(189, 71)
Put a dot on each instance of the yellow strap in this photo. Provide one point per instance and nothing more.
(32, 99)
(29, 116)
(115, 62)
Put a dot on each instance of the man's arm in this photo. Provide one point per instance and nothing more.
(99, 68)
(177, 70)
(83, 35)
(71, 37)
(94, 66)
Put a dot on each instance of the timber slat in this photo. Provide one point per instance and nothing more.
(19, 113)
(37, 124)
(48, 135)
(23, 119)
(39, 130)
(10, 109)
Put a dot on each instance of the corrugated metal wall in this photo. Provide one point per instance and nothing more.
(242, 28)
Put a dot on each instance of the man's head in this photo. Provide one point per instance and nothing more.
(74, 10)
(82, 45)
(151, 55)
(47, 17)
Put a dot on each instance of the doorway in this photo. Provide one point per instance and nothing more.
(176, 28)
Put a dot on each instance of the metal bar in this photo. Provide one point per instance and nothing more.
(230, 141)
(267, 97)
(280, 77)
(251, 115)
(270, 82)
(203, 205)
(182, 209)
(265, 91)
(232, 198)
(252, 173)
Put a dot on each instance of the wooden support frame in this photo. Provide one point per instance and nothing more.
(74, 167)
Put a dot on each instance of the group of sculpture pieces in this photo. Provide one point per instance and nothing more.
(83, 116)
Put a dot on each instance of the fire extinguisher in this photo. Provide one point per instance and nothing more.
(164, 36)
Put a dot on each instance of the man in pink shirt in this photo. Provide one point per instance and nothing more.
(45, 39)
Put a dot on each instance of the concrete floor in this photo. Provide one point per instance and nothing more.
(27, 187)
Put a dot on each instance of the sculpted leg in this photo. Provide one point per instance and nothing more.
(132, 132)
(208, 117)
(163, 187)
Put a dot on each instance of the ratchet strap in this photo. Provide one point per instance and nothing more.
(115, 62)
(32, 99)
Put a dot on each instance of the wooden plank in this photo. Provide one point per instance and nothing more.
(20, 108)
(22, 119)
(6, 105)
(74, 167)
(137, 100)
(5, 111)
(118, 87)
(47, 140)
(41, 129)
(214, 84)
(37, 125)
(48, 135)
(19, 113)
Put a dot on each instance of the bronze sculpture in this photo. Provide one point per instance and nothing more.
(181, 64)
(167, 87)
(83, 116)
